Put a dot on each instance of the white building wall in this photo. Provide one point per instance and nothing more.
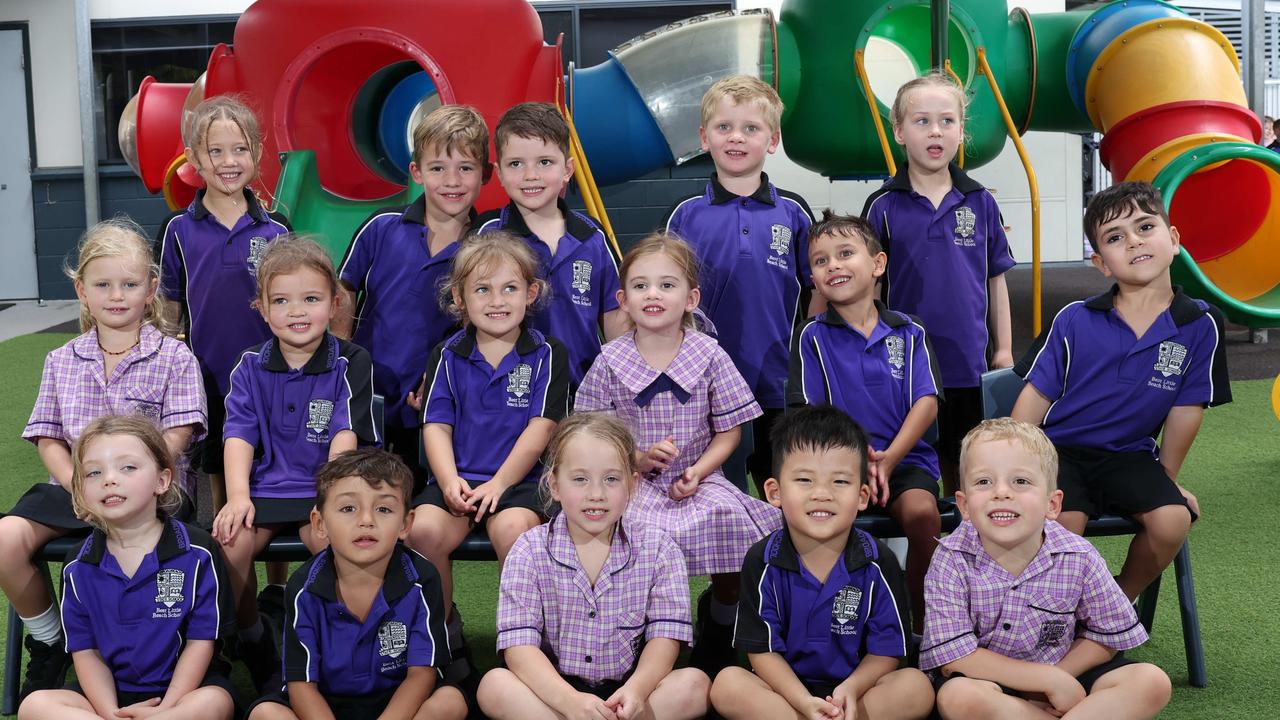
(56, 99)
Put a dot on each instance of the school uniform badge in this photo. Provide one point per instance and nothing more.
(966, 222)
(257, 248)
(581, 283)
(393, 639)
(845, 608)
(518, 382)
(1052, 632)
(169, 584)
(319, 413)
(1170, 358)
(895, 349)
(781, 243)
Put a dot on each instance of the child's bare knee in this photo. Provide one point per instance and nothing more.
(1168, 525)
(689, 687)
(966, 698)
(1150, 686)
(495, 689)
(728, 688)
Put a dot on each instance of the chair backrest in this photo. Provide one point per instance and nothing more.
(1000, 390)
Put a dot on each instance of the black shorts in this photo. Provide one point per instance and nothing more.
(404, 442)
(50, 504)
(125, 698)
(522, 495)
(1097, 481)
(1086, 678)
(207, 455)
(959, 412)
(603, 690)
(908, 477)
(819, 689)
(282, 511)
(344, 707)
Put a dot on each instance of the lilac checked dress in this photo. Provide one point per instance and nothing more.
(700, 394)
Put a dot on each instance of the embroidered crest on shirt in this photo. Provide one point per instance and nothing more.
(146, 408)
(1052, 633)
(393, 640)
(966, 221)
(581, 276)
(169, 584)
(319, 413)
(257, 248)
(1171, 357)
(518, 381)
(894, 346)
(845, 608)
(781, 245)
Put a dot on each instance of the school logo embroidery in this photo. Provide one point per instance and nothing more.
(1052, 633)
(319, 413)
(257, 248)
(1172, 355)
(581, 276)
(966, 221)
(893, 345)
(518, 381)
(169, 587)
(147, 409)
(845, 608)
(781, 243)
(393, 639)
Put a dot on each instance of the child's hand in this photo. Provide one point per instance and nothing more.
(455, 493)
(1002, 359)
(1064, 692)
(484, 498)
(686, 485)
(626, 703)
(1192, 502)
(144, 709)
(818, 709)
(233, 516)
(414, 399)
(588, 707)
(879, 468)
(658, 458)
(843, 698)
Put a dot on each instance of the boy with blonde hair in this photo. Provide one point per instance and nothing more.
(1024, 619)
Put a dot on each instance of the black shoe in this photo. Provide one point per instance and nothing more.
(262, 658)
(47, 669)
(271, 604)
(712, 642)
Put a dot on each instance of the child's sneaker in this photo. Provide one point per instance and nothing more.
(47, 668)
(712, 642)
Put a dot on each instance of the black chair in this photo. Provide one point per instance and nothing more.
(1000, 390)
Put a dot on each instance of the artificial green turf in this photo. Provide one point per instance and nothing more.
(1231, 469)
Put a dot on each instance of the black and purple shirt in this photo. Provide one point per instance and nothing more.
(754, 258)
(212, 272)
(940, 259)
(290, 415)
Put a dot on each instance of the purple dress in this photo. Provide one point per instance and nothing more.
(701, 393)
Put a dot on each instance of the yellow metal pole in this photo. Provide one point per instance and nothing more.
(875, 111)
(586, 181)
(946, 65)
(1032, 184)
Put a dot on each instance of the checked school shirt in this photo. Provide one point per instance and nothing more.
(1066, 592)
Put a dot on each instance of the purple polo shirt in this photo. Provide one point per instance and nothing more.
(875, 380)
(1066, 592)
(180, 592)
(583, 277)
(1111, 390)
(291, 415)
(754, 261)
(940, 260)
(398, 317)
(488, 409)
(594, 632)
(822, 629)
(212, 272)
(159, 379)
(325, 644)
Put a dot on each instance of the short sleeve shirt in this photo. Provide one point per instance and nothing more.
(489, 408)
(398, 315)
(159, 379)
(180, 592)
(212, 272)
(594, 632)
(876, 380)
(290, 415)
(324, 643)
(822, 629)
(1112, 391)
(940, 259)
(583, 277)
(754, 256)
(1066, 592)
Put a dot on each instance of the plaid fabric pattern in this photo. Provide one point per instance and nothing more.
(717, 525)
(1066, 592)
(596, 633)
(159, 379)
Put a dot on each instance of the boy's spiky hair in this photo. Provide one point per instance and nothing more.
(848, 226)
(375, 466)
(1031, 437)
(820, 427)
(533, 121)
(1118, 200)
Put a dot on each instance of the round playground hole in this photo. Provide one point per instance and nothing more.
(898, 50)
